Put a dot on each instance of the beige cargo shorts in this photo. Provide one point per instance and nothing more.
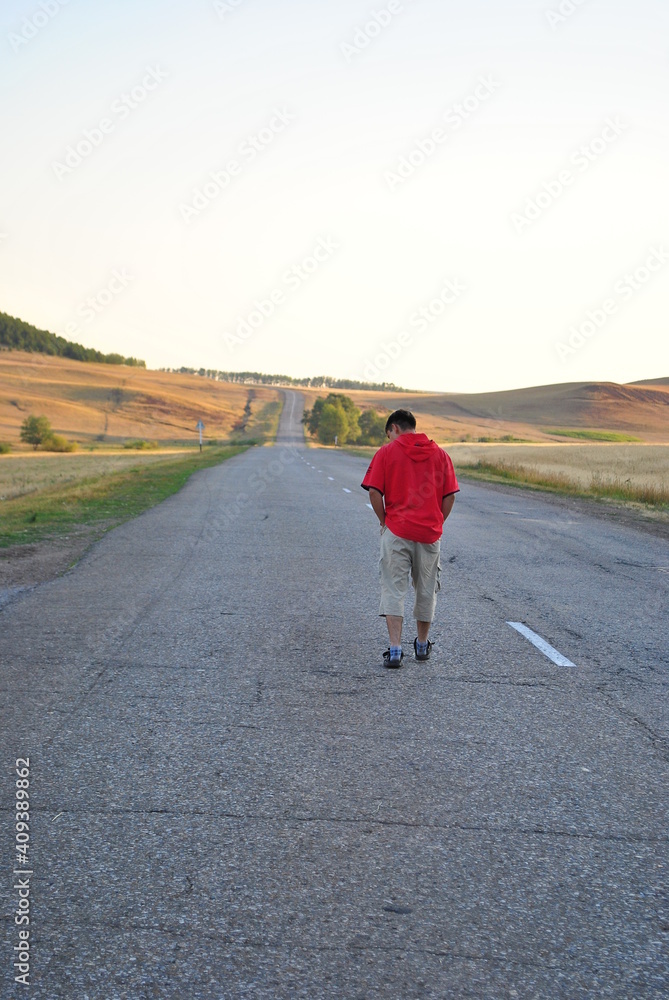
(400, 560)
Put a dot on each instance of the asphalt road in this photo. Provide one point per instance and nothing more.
(231, 798)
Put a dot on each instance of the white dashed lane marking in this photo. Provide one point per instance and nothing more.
(345, 490)
(557, 658)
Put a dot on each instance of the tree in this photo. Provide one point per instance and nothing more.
(332, 424)
(345, 426)
(312, 417)
(35, 430)
(372, 428)
(20, 336)
(352, 415)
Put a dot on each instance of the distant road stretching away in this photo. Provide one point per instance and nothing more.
(230, 796)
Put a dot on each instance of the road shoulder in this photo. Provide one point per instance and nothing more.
(628, 516)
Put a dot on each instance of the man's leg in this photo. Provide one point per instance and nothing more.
(395, 629)
(394, 566)
(423, 629)
(426, 581)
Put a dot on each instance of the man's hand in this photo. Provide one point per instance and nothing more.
(447, 505)
(376, 500)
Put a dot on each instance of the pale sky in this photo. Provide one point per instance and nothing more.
(448, 196)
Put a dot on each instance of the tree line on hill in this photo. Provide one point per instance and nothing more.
(335, 419)
(260, 378)
(16, 335)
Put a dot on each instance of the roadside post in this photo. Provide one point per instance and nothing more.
(200, 428)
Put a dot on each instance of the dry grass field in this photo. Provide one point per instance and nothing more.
(640, 465)
(22, 473)
(107, 404)
(628, 473)
(633, 474)
(78, 501)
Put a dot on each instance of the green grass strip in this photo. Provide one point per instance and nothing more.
(592, 435)
(104, 500)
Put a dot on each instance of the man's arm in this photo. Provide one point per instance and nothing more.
(447, 505)
(376, 500)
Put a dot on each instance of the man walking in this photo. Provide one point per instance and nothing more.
(412, 486)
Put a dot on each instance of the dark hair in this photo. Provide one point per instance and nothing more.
(404, 419)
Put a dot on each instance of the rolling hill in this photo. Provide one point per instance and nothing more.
(638, 410)
(90, 402)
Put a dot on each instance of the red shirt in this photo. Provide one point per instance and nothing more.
(414, 475)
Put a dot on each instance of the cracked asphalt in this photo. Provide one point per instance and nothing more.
(231, 798)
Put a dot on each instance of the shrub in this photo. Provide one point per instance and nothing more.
(55, 442)
(5, 448)
(140, 445)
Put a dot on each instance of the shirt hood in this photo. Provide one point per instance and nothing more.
(418, 447)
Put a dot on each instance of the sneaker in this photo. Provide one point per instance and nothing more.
(392, 661)
(426, 654)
